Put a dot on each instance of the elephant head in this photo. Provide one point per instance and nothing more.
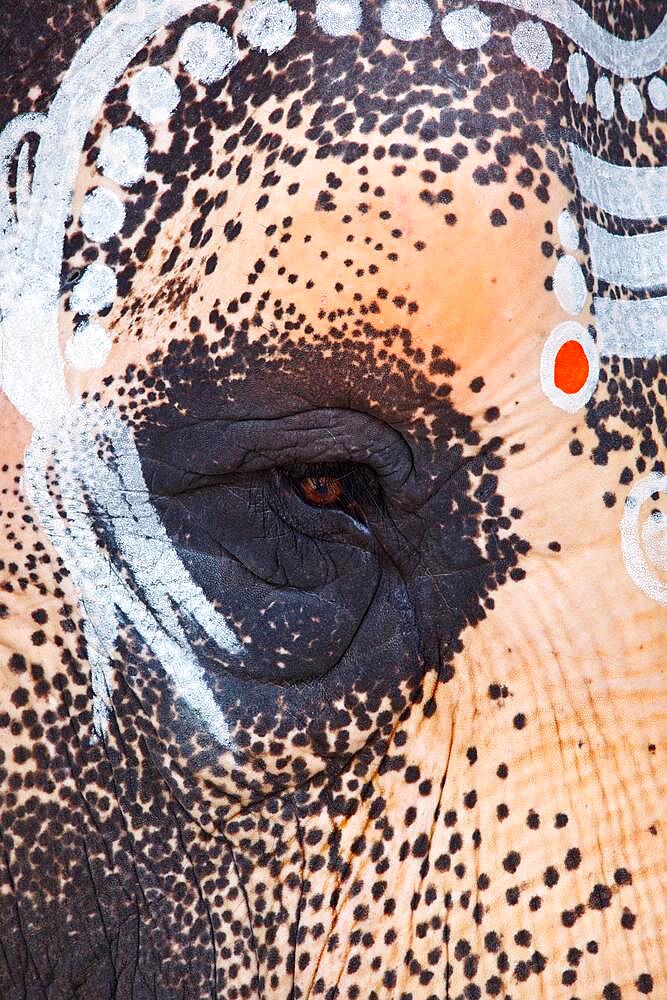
(333, 563)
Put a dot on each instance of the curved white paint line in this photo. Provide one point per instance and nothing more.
(634, 261)
(636, 562)
(11, 138)
(654, 539)
(119, 495)
(621, 57)
(631, 328)
(31, 373)
(31, 250)
(91, 574)
(629, 192)
(31, 242)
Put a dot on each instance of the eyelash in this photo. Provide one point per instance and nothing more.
(345, 486)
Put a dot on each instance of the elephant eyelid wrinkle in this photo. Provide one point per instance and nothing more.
(243, 446)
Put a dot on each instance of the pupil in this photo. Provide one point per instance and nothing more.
(321, 490)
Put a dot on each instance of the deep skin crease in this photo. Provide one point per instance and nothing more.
(444, 779)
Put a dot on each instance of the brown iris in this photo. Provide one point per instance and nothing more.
(323, 491)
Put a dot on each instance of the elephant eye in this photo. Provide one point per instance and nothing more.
(322, 491)
(342, 486)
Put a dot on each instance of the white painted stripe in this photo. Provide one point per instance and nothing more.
(631, 328)
(167, 593)
(633, 261)
(624, 58)
(629, 192)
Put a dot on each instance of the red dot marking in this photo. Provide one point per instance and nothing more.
(571, 367)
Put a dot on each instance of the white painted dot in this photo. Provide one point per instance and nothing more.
(568, 233)
(631, 102)
(531, 42)
(122, 155)
(570, 284)
(577, 76)
(604, 98)
(657, 93)
(269, 25)
(207, 52)
(406, 20)
(338, 17)
(654, 539)
(102, 214)
(467, 28)
(153, 94)
(95, 289)
(570, 402)
(88, 347)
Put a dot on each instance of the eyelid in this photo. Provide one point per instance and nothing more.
(221, 447)
(313, 470)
